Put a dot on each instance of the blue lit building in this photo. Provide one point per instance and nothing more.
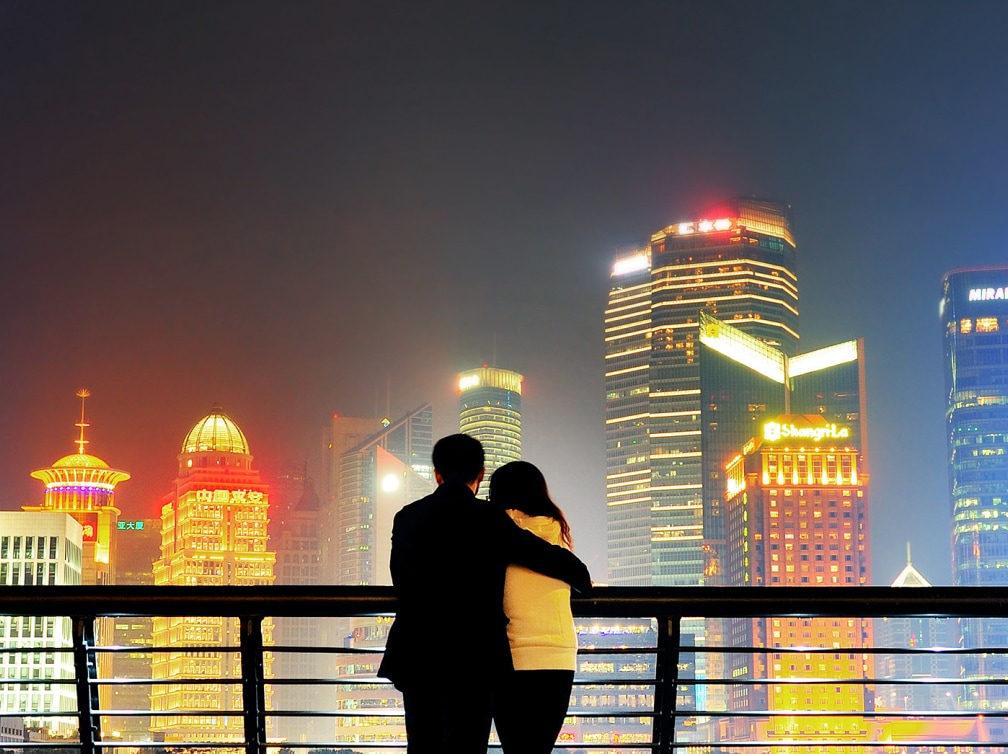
(974, 312)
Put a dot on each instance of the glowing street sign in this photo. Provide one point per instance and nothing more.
(774, 431)
(988, 294)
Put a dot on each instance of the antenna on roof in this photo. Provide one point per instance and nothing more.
(81, 442)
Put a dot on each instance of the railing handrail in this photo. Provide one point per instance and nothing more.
(603, 601)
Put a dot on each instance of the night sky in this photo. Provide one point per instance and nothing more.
(295, 209)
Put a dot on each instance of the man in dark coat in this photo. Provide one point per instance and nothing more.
(449, 643)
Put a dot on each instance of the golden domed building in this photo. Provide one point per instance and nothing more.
(84, 486)
(213, 533)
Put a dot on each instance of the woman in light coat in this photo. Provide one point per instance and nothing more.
(531, 703)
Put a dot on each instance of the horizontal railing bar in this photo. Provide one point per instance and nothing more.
(874, 714)
(630, 603)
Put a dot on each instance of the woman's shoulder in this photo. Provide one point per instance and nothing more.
(543, 527)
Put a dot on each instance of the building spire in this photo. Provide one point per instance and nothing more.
(81, 442)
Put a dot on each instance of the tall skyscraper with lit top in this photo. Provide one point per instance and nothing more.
(213, 533)
(490, 410)
(737, 262)
(974, 310)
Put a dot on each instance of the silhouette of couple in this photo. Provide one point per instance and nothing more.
(483, 630)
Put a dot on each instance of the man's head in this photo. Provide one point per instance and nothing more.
(458, 458)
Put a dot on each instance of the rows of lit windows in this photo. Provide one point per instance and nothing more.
(981, 325)
(11, 547)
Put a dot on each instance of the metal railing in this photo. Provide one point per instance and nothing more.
(658, 670)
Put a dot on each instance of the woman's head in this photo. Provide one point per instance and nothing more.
(520, 485)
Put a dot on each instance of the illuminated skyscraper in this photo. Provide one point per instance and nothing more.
(739, 264)
(379, 475)
(743, 382)
(213, 533)
(344, 433)
(974, 312)
(796, 509)
(490, 411)
(84, 486)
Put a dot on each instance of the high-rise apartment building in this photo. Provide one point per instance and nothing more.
(974, 311)
(39, 548)
(213, 533)
(490, 411)
(738, 263)
(796, 515)
(84, 486)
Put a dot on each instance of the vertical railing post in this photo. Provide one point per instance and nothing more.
(666, 683)
(85, 673)
(253, 684)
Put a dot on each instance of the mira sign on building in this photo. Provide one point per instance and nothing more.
(809, 428)
(987, 294)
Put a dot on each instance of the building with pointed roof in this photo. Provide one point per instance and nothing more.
(921, 687)
(84, 486)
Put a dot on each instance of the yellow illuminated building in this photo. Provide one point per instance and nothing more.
(84, 486)
(213, 533)
(738, 264)
(490, 411)
(797, 515)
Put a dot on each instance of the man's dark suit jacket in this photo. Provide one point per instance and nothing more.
(450, 553)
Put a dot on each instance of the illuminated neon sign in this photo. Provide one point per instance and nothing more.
(988, 294)
(703, 226)
(129, 525)
(631, 264)
(470, 380)
(774, 431)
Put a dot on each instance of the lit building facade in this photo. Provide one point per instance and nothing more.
(299, 562)
(84, 486)
(796, 508)
(39, 548)
(344, 432)
(213, 533)
(379, 475)
(974, 312)
(737, 263)
(921, 633)
(139, 546)
(490, 410)
(744, 381)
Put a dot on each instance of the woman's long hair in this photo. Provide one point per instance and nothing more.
(519, 485)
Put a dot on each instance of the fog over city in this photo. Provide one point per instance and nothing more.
(300, 209)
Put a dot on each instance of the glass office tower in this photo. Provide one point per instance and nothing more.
(737, 262)
(743, 381)
(974, 312)
(490, 410)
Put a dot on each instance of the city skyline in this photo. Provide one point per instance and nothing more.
(288, 210)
